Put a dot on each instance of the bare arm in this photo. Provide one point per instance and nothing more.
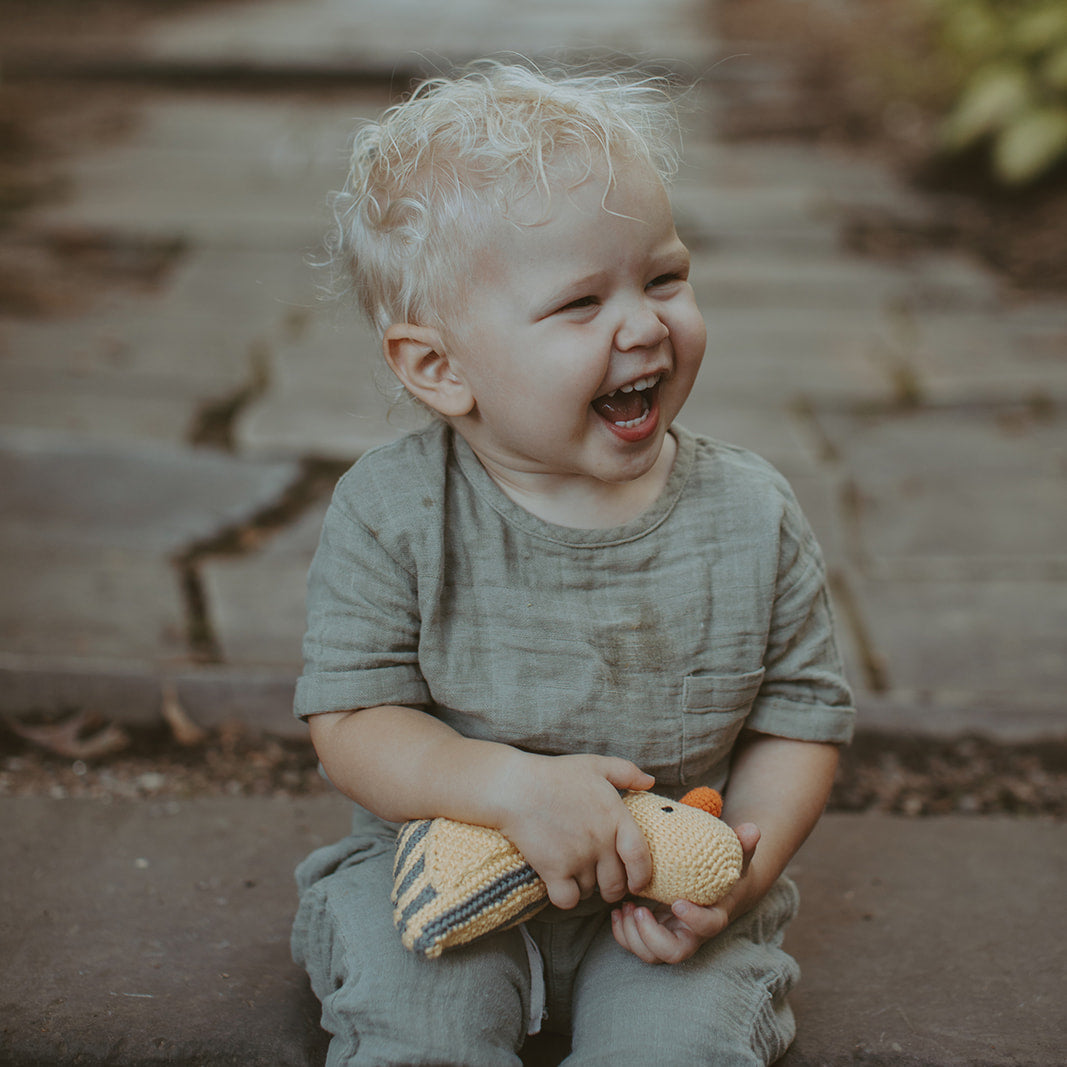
(782, 787)
(777, 791)
(402, 763)
(562, 812)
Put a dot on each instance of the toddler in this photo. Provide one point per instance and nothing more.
(552, 593)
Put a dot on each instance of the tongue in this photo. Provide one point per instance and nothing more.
(622, 407)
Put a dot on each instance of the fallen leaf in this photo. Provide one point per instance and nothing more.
(65, 738)
(184, 730)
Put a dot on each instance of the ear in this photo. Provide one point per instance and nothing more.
(418, 357)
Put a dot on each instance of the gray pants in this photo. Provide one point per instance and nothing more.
(471, 1007)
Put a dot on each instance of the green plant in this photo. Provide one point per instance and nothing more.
(1009, 59)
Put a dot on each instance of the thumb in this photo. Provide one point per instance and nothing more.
(749, 835)
(626, 775)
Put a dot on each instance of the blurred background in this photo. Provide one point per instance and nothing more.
(875, 194)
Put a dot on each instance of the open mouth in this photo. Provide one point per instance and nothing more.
(630, 405)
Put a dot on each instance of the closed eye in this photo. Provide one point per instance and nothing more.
(665, 279)
(581, 302)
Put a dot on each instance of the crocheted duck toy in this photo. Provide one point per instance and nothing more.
(454, 883)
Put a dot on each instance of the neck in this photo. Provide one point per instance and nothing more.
(586, 503)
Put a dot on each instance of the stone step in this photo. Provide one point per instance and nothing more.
(157, 931)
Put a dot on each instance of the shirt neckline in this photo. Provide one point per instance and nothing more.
(599, 537)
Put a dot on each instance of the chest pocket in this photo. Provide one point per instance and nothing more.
(715, 707)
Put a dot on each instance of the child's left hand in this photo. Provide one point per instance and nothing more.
(657, 934)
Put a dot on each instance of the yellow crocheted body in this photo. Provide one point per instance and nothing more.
(454, 883)
(695, 856)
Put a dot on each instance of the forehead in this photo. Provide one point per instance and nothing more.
(578, 183)
(578, 216)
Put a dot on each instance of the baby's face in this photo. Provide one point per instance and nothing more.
(579, 336)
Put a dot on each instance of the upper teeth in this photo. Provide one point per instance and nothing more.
(641, 383)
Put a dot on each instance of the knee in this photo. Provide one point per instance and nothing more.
(385, 1005)
(726, 1007)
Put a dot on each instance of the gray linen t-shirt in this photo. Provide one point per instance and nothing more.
(657, 640)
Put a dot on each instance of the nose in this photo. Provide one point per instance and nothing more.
(640, 327)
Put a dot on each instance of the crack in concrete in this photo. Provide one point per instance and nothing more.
(316, 479)
(872, 662)
(213, 427)
(213, 424)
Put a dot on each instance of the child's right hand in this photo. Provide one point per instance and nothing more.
(566, 817)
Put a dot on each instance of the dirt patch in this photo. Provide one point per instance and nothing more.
(886, 774)
(140, 763)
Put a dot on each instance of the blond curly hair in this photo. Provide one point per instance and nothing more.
(430, 175)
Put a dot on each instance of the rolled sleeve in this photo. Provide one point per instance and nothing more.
(362, 640)
(804, 694)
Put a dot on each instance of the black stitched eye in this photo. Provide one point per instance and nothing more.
(666, 807)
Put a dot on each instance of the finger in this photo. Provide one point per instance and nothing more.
(626, 775)
(587, 884)
(632, 849)
(748, 834)
(624, 930)
(564, 893)
(611, 879)
(705, 923)
(666, 944)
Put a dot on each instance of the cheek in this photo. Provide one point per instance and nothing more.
(690, 334)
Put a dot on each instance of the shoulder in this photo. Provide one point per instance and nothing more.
(391, 477)
(392, 493)
(744, 496)
(748, 500)
(739, 476)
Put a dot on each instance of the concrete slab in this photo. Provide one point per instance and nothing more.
(180, 916)
(180, 913)
(332, 395)
(970, 357)
(361, 34)
(996, 639)
(257, 609)
(96, 603)
(952, 492)
(130, 691)
(783, 278)
(924, 942)
(62, 493)
(781, 356)
(215, 171)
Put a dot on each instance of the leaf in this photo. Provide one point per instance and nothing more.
(1054, 70)
(1031, 145)
(68, 738)
(1041, 28)
(993, 98)
(972, 29)
(186, 732)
